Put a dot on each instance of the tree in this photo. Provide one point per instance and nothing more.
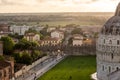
(26, 58)
(8, 45)
(44, 32)
(32, 31)
(17, 57)
(1, 57)
(26, 44)
(77, 31)
(70, 41)
(23, 44)
(35, 54)
(34, 44)
(16, 35)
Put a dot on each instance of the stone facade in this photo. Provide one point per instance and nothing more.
(6, 70)
(32, 37)
(50, 41)
(77, 40)
(57, 34)
(108, 49)
(19, 29)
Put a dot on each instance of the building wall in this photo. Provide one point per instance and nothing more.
(19, 29)
(77, 42)
(56, 34)
(115, 75)
(33, 38)
(108, 57)
(50, 42)
(7, 73)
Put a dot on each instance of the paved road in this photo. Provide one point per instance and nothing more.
(40, 69)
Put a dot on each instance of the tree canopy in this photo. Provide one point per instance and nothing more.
(23, 44)
(77, 31)
(8, 45)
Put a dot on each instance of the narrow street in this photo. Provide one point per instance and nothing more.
(40, 69)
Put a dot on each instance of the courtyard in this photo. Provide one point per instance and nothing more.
(72, 68)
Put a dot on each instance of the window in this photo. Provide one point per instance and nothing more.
(118, 42)
(5, 73)
(109, 69)
(110, 42)
(104, 41)
(117, 68)
(112, 56)
(103, 68)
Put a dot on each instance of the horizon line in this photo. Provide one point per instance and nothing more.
(48, 12)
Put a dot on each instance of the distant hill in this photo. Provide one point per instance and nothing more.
(80, 18)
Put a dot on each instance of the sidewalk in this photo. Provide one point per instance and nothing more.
(94, 76)
(40, 69)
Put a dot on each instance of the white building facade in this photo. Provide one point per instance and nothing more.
(77, 40)
(57, 34)
(19, 29)
(108, 49)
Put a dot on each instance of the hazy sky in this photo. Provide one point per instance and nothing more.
(13, 6)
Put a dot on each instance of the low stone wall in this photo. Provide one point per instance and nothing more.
(27, 68)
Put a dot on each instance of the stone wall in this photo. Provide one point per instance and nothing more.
(26, 68)
(108, 49)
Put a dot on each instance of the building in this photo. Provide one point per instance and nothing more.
(38, 28)
(4, 30)
(88, 41)
(1, 48)
(20, 30)
(49, 29)
(77, 40)
(108, 49)
(57, 34)
(6, 70)
(32, 36)
(50, 41)
(62, 28)
(3, 34)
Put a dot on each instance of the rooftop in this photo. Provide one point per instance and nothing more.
(4, 64)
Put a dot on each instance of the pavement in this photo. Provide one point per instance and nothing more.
(40, 69)
(94, 76)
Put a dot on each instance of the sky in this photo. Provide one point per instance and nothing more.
(37, 6)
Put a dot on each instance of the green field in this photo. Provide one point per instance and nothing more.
(72, 68)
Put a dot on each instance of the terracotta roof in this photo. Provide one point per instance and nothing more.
(30, 34)
(49, 38)
(4, 64)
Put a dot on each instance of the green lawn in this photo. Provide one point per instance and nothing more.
(72, 68)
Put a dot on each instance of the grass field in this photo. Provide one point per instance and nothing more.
(72, 68)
